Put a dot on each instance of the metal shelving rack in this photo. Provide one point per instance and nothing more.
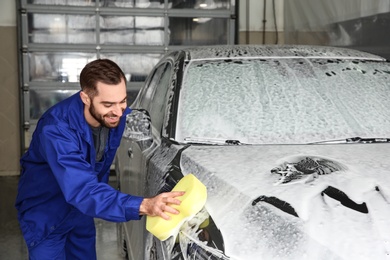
(58, 37)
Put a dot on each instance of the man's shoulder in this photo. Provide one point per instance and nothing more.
(64, 107)
(66, 113)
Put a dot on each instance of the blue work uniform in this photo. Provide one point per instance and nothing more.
(62, 187)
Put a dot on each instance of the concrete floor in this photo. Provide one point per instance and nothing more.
(12, 245)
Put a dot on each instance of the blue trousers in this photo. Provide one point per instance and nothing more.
(75, 238)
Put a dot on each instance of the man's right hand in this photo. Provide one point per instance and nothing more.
(160, 204)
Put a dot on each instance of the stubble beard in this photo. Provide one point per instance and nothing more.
(100, 118)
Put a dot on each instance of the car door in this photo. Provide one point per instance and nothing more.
(133, 180)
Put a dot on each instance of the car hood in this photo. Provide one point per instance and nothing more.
(268, 205)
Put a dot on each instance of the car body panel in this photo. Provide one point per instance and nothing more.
(284, 200)
(276, 51)
(240, 174)
(131, 171)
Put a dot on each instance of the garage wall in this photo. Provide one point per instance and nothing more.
(261, 22)
(251, 32)
(356, 24)
(9, 92)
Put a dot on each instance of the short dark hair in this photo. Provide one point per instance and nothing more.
(100, 70)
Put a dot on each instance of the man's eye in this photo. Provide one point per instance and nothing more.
(107, 105)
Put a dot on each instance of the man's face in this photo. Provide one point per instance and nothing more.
(107, 107)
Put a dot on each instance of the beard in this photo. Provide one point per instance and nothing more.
(100, 118)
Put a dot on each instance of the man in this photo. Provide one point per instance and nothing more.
(65, 171)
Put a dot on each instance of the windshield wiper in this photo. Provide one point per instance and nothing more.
(233, 142)
(367, 140)
(196, 140)
(353, 140)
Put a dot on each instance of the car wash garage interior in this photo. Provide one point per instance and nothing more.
(46, 44)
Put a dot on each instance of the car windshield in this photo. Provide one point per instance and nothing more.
(284, 100)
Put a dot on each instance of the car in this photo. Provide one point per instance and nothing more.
(291, 141)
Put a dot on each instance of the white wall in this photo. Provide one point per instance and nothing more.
(9, 91)
(8, 12)
(313, 15)
(256, 9)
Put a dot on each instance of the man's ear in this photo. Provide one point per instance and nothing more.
(85, 98)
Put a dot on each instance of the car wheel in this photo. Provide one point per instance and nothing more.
(120, 235)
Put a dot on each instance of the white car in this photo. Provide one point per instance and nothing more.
(292, 143)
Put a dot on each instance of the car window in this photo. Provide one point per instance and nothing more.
(159, 87)
(284, 101)
(147, 94)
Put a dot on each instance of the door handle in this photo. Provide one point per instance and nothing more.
(130, 152)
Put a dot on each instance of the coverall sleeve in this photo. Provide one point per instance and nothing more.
(66, 154)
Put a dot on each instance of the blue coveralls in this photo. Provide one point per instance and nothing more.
(62, 187)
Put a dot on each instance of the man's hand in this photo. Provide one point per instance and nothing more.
(158, 205)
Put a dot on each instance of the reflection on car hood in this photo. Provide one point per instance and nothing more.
(243, 181)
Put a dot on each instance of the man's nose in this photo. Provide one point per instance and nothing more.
(118, 110)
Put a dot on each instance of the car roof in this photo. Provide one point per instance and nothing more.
(275, 51)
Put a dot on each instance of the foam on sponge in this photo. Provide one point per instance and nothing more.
(192, 202)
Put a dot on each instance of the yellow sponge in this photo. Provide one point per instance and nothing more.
(192, 202)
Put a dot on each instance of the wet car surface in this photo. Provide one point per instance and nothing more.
(292, 143)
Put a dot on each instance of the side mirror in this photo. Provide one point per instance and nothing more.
(138, 125)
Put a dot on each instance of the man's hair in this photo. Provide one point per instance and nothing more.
(100, 70)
